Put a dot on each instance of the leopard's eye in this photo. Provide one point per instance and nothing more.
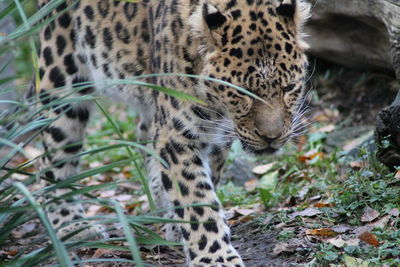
(289, 88)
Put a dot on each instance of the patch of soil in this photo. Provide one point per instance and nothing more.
(255, 246)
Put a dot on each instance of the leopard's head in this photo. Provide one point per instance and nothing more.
(257, 45)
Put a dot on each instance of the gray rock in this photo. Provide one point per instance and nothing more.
(340, 137)
(239, 171)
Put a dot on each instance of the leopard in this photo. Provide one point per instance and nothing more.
(244, 63)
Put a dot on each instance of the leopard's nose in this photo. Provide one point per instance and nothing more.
(267, 138)
(270, 130)
(270, 140)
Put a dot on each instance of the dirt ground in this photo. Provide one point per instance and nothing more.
(256, 246)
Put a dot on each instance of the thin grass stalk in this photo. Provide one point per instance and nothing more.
(240, 89)
(128, 234)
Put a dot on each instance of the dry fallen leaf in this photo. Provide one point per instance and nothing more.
(394, 212)
(303, 192)
(309, 212)
(378, 224)
(95, 164)
(251, 185)
(327, 115)
(123, 197)
(145, 202)
(231, 222)
(32, 152)
(310, 155)
(244, 212)
(92, 210)
(242, 219)
(130, 207)
(355, 262)
(281, 247)
(369, 215)
(100, 252)
(108, 193)
(369, 238)
(381, 223)
(18, 177)
(321, 232)
(12, 252)
(316, 197)
(327, 129)
(290, 246)
(247, 218)
(323, 205)
(230, 214)
(24, 229)
(339, 242)
(341, 229)
(356, 165)
(263, 168)
(237, 213)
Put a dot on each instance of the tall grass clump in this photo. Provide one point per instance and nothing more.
(21, 121)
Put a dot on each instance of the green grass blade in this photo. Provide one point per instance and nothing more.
(78, 177)
(128, 234)
(241, 89)
(168, 91)
(86, 189)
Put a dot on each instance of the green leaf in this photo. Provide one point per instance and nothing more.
(269, 180)
(330, 256)
(354, 262)
(266, 187)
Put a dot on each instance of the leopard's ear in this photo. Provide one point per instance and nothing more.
(287, 8)
(297, 11)
(207, 21)
(212, 17)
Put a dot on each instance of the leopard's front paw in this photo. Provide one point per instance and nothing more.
(83, 231)
(216, 257)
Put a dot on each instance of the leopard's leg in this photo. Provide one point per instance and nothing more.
(172, 231)
(63, 138)
(187, 182)
(146, 114)
(218, 155)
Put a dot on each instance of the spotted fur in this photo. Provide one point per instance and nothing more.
(254, 44)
